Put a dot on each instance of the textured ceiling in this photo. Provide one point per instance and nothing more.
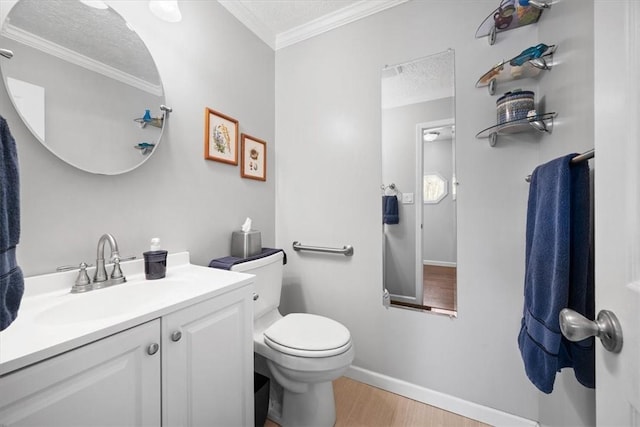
(417, 81)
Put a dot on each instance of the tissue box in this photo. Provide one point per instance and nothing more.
(246, 243)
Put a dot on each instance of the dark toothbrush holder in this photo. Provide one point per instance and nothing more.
(155, 264)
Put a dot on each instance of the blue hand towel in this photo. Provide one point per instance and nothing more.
(11, 278)
(558, 272)
(225, 263)
(390, 210)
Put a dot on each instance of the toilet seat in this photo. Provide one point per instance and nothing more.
(308, 335)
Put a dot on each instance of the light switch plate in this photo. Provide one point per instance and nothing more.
(407, 198)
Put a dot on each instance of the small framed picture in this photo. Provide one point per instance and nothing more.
(254, 158)
(220, 137)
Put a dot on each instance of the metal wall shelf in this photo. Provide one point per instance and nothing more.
(509, 16)
(538, 122)
(508, 70)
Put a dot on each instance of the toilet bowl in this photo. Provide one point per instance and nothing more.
(304, 352)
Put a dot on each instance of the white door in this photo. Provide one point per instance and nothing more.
(617, 198)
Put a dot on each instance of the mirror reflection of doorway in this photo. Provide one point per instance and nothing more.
(438, 222)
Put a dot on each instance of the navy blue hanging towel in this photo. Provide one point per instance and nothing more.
(558, 272)
(11, 278)
(390, 213)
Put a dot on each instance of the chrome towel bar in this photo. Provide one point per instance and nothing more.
(346, 250)
(587, 155)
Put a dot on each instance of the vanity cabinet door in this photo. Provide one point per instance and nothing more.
(111, 382)
(207, 370)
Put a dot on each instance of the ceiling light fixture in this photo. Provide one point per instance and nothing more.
(430, 136)
(167, 10)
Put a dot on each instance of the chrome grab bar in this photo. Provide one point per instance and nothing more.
(346, 250)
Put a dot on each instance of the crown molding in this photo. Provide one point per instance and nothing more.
(333, 20)
(78, 59)
(318, 26)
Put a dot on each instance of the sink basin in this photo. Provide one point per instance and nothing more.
(117, 300)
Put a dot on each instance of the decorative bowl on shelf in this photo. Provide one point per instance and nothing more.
(514, 105)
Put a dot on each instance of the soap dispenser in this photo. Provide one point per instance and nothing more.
(155, 261)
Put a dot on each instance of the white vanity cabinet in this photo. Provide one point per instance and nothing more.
(207, 355)
(190, 367)
(111, 382)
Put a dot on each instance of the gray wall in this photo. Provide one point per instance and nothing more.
(327, 106)
(207, 60)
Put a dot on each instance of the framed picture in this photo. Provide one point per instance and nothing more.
(254, 158)
(220, 137)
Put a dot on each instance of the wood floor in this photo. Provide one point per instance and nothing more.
(359, 404)
(440, 287)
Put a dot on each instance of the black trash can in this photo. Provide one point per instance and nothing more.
(261, 398)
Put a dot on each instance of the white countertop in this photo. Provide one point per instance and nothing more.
(51, 320)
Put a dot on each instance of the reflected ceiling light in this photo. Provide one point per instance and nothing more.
(167, 10)
(430, 136)
(96, 4)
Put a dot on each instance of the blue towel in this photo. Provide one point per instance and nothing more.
(11, 278)
(390, 210)
(227, 262)
(558, 272)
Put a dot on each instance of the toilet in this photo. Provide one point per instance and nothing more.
(304, 352)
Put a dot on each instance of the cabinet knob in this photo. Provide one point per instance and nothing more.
(176, 335)
(153, 348)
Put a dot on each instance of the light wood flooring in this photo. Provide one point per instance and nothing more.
(440, 288)
(359, 404)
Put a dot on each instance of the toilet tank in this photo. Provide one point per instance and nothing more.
(268, 281)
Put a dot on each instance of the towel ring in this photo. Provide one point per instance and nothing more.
(391, 187)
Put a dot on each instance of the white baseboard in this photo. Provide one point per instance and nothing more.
(449, 403)
(439, 263)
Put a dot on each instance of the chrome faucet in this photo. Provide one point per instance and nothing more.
(100, 279)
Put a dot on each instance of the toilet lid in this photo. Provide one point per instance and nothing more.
(308, 335)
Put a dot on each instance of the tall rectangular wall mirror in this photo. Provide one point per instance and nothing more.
(419, 184)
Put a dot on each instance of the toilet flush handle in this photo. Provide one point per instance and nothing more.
(255, 296)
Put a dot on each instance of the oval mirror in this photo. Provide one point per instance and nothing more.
(84, 83)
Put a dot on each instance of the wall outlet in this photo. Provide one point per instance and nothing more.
(407, 198)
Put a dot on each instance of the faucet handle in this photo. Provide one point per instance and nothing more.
(83, 277)
(116, 274)
(83, 282)
(63, 268)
